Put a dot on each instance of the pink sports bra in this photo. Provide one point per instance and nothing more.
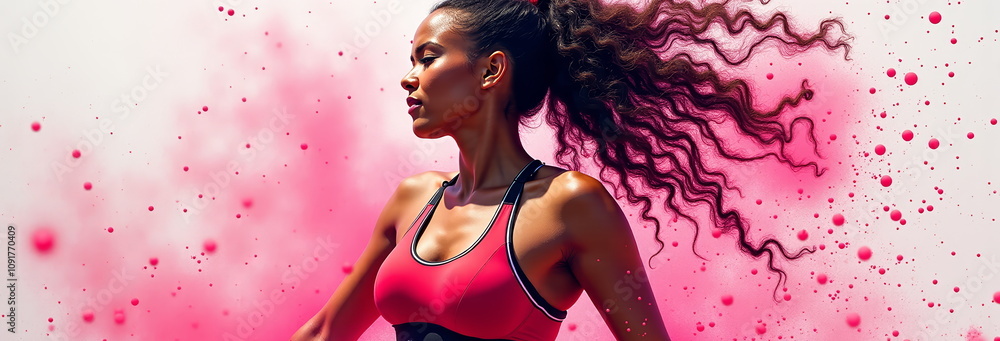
(479, 294)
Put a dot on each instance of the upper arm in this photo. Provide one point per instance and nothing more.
(606, 262)
(351, 309)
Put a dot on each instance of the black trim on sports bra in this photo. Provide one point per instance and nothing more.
(514, 190)
(425, 331)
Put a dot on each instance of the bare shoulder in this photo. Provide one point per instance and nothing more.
(587, 209)
(421, 183)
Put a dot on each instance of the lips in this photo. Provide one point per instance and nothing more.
(414, 104)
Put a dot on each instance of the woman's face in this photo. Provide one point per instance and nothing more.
(444, 89)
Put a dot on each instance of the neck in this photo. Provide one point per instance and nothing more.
(489, 158)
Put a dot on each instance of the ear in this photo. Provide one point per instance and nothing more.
(495, 69)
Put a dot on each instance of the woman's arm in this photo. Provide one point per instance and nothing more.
(606, 261)
(351, 309)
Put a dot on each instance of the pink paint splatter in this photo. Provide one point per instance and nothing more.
(853, 319)
(880, 149)
(727, 299)
(36, 126)
(864, 253)
(910, 78)
(838, 219)
(210, 246)
(933, 143)
(891, 72)
(935, 17)
(907, 135)
(886, 181)
(43, 239)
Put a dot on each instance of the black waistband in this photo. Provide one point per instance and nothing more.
(423, 331)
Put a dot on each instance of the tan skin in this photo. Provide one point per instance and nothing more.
(567, 220)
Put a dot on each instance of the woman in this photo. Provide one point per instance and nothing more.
(610, 88)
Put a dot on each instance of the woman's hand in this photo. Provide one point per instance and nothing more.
(312, 330)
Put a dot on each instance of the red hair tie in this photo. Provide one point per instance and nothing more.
(533, 2)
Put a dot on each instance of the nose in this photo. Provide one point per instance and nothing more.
(409, 81)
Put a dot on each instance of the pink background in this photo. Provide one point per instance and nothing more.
(293, 177)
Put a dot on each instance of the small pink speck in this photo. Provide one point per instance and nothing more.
(970, 135)
(210, 246)
(891, 72)
(865, 253)
(907, 135)
(886, 181)
(76, 154)
(88, 315)
(770, 75)
(36, 126)
(111, 229)
(727, 299)
(935, 17)
(853, 319)
(153, 261)
(933, 143)
(880, 149)
(872, 90)
(838, 219)
(910, 78)
(150, 208)
(231, 12)
(43, 239)
(135, 301)
(821, 278)
(204, 108)
(304, 146)
(87, 186)
(244, 99)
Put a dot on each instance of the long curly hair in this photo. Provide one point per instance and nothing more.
(620, 87)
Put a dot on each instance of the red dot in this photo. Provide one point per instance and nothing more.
(935, 17)
(853, 319)
(244, 99)
(88, 315)
(864, 253)
(727, 299)
(87, 186)
(933, 143)
(951, 74)
(821, 278)
(76, 154)
(907, 135)
(891, 72)
(879, 149)
(970, 135)
(111, 229)
(36, 126)
(838, 219)
(886, 181)
(304, 146)
(895, 215)
(135, 301)
(153, 261)
(954, 41)
(996, 297)
(119, 316)
(150, 208)
(186, 168)
(204, 108)
(770, 75)
(210, 246)
(872, 90)
(761, 329)
(956, 289)
(993, 121)
(833, 137)
(221, 9)
(231, 12)
(43, 239)
(347, 268)
(803, 235)
(910, 78)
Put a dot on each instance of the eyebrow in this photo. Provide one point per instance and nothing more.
(421, 47)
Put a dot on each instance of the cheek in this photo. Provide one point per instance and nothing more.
(452, 91)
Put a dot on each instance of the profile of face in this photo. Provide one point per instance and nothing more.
(445, 89)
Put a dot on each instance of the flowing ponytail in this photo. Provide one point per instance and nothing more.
(617, 90)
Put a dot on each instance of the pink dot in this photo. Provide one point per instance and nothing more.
(880, 149)
(770, 75)
(935, 17)
(871, 90)
(910, 78)
(36, 126)
(907, 135)
(838, 219)
(210, 246)
(761, 329)
(891, 72)
(43, 239)
(996, 297)
(886, 181)
(221, 9)
(244, 99)
(88, 315)
(895, 215)
(231, 12)
(951, 74)
(993, 121)
(933, 143)
(956, 289)
(76, 154)
(833, 137)
(87, 186)
(347, 268)
(864, 253)
(853, 319)
(119, 316)
(186, 168)
(111, 229)
(821, 278)
(304, 146)
(803, 235)
(970, 135)
(150, 208)
(153, 261)
(135, 301)
(727, 299)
